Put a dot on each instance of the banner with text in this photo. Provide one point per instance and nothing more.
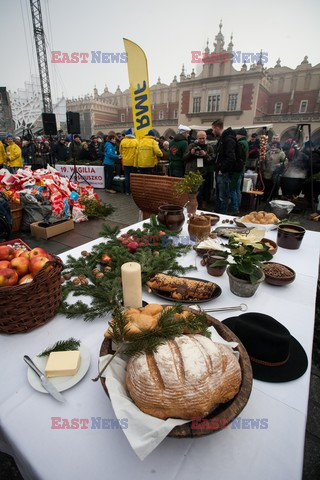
(139, 88)
(94, 174)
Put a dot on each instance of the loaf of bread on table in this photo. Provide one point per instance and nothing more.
(182, 288)
(185, 378)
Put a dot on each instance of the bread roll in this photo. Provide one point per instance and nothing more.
(185, 378)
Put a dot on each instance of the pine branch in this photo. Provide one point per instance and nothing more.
(61, 346)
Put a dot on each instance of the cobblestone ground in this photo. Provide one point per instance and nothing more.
(126, 214)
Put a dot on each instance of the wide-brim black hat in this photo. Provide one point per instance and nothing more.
(276, 356)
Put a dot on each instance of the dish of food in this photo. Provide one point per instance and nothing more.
(61, 383)
(183, 289)
(227, 232)
(267, 220)
(278, 274)
(220, 416)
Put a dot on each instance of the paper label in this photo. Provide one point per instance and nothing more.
(199, 162)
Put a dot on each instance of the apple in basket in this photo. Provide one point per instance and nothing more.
(8, 277)
(26, 279)
(18, 252)
(20, 265)
(38, 252)
(4, 264)
(37, 263)
(6, 252)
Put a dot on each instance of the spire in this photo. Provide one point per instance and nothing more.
(182, 74)
(118, 89)
(207, 49)
(106, 88)
(259, 62)
(193, 73)
(174, 79)
(278, 64)
(219, 43)
(159, 81)
(230, 46)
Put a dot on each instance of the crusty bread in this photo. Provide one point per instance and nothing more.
(185, 378)
(182, 288)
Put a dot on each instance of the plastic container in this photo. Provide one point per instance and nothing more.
(281, 208)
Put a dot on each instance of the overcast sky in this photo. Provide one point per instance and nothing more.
(167, 31)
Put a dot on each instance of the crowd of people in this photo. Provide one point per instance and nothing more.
(221, 155)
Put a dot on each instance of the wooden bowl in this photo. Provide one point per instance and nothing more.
(214, 218)
(278, 280)
(224, 413)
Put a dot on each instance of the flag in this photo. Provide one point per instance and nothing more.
(139, 88)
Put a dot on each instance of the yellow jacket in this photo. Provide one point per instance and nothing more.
(148, 152)
(129, 151)
(14, 154)
(2, 153)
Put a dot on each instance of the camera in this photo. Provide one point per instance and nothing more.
(197, 148)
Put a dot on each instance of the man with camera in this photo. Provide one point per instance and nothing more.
(199, 157)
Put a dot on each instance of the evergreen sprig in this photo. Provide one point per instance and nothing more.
(105, 293)
(61, 346)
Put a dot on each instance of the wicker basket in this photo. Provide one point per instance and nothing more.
(16, 212)
(151, 191)
(25, 307)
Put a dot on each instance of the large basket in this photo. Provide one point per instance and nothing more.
(25, 307)
(151, 191)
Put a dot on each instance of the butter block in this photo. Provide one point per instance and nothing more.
(62, 364)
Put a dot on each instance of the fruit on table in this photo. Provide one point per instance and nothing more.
(38, 252)
(4, 264)
(36, 264)
(8, 277)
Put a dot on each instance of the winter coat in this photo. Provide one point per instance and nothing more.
(275, 161)
(148, 152)
(110, 154)
(85, 155)
(75, 149)
(226, 152)
(60, 151)
(178, 147)
(15, 156)
(191, 160)
(2, 153)
(129, 151)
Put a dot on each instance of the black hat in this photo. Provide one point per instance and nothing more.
(242, 132)
(275, 355)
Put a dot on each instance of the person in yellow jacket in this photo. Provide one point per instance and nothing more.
(148, 153)
(2, 154)
(129, 153)
(13, 155)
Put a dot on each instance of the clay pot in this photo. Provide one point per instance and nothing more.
(290, 236)
(192, 204)
(199, 227)
(171, 216)
(214, 271)
(243, 288)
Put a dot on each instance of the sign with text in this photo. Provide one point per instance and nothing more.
(139, 88)
(94, 174)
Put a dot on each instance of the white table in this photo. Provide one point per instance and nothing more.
(276, 452)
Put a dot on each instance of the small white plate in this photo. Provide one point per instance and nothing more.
(61, 383)
(267, 227)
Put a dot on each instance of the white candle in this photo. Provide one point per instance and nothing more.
(131, 284)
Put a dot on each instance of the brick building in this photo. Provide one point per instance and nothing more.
(253, 95)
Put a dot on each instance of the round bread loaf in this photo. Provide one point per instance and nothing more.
(185, 378)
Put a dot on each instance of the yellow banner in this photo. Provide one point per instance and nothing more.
(139, 88)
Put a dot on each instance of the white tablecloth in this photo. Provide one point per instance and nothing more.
(276, 452)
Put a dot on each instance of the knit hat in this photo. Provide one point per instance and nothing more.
(151, 133)
(9, 135)
(183, 128)
(242, 132)
(128, 132)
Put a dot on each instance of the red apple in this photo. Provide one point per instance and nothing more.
(26, 279)
(38, 252)
(20, 265)
(4, 264)
(132, 246)
(36, 264)
(18, 252)
(8, 277)
(25, 254)
(6, 252)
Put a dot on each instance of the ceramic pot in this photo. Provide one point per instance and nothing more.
(243, 288)
(199, 227)
(214, 271)
(192, 204)
(290, 236)
(171, 216)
